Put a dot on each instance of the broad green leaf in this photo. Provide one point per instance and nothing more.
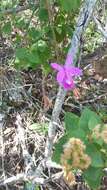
(96, 156)
(27, 58)
(98, 141)
(93, 177)
(60, 32)
(42, 51)
(70, 5)
(42, 46)
(94, 121)
(32, 58)
(34, 33)
(34, 47)
(20, 64)
(86, 116)
(21, 53)
(48, 32)
(84, 119)
(78, 133)
(60, 19)
(59, 149)
(36, 63)
(72, 128)
(71, 122)
(43, 14)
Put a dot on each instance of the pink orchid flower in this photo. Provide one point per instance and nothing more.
(66, 73)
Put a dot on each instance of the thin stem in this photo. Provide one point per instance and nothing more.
(50, 14)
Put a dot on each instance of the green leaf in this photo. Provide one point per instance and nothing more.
(71, 121)
(21, 53)
(42, 50)
(34, 33)
(20, 64)
(46, 69)
(96, 156)
(48, 32)
(93, 177)
(84, 119)
(33, 58)
(72, 128)
(60, 32)
(42, 46)
(70, 5)
(98, 141)
(94, 121)
(59, 149)
(25, 58)
(43, 14)
(78, 133)
(7, 28)
(34, 47)
(86, 116)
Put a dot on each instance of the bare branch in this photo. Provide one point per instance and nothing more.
(21, 177)
(12, 179)
(18, 9)
(15, 10)
(83, 20)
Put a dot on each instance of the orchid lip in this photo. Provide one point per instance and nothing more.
(68, 81)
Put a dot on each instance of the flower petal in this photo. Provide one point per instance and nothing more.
(68, 86)
(56, 66)
(60, 76)
(77, 71)
(68, 61)
(73, 71)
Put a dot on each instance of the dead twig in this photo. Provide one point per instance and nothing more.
(17, 9)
